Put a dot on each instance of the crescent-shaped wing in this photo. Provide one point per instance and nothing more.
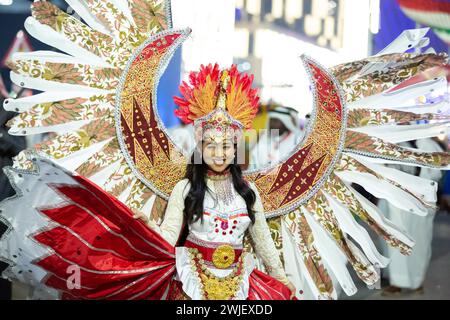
(286, 185)
(147, 147)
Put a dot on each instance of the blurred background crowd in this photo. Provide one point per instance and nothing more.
(266, 38)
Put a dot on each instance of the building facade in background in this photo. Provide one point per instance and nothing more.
(270, 35)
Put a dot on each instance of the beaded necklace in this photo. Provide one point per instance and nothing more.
(223, 185)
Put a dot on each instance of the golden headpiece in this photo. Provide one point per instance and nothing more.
(220, 103)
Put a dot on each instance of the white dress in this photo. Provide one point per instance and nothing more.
(225, 221)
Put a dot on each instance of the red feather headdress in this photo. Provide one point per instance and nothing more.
(219, 102)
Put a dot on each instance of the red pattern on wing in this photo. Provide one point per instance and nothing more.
(117, 256)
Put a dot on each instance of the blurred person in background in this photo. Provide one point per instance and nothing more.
(183, 136)
(406, 274)
(10, 146)
(282, 136)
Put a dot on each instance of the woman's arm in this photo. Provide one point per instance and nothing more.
(171, 226)
(263, 243)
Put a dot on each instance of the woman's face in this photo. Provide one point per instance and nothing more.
(218, 155)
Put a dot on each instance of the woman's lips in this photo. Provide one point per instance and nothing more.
(219, 161)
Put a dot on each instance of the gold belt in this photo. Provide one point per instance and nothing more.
(223, 256)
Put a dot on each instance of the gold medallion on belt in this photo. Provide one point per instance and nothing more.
(223, 256)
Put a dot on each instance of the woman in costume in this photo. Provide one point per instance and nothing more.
(71, 227)
(216, 204)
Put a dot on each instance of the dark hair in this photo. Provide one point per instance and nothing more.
(195, 173)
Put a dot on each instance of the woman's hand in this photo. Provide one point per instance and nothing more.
(291, 287)
(139, 215)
